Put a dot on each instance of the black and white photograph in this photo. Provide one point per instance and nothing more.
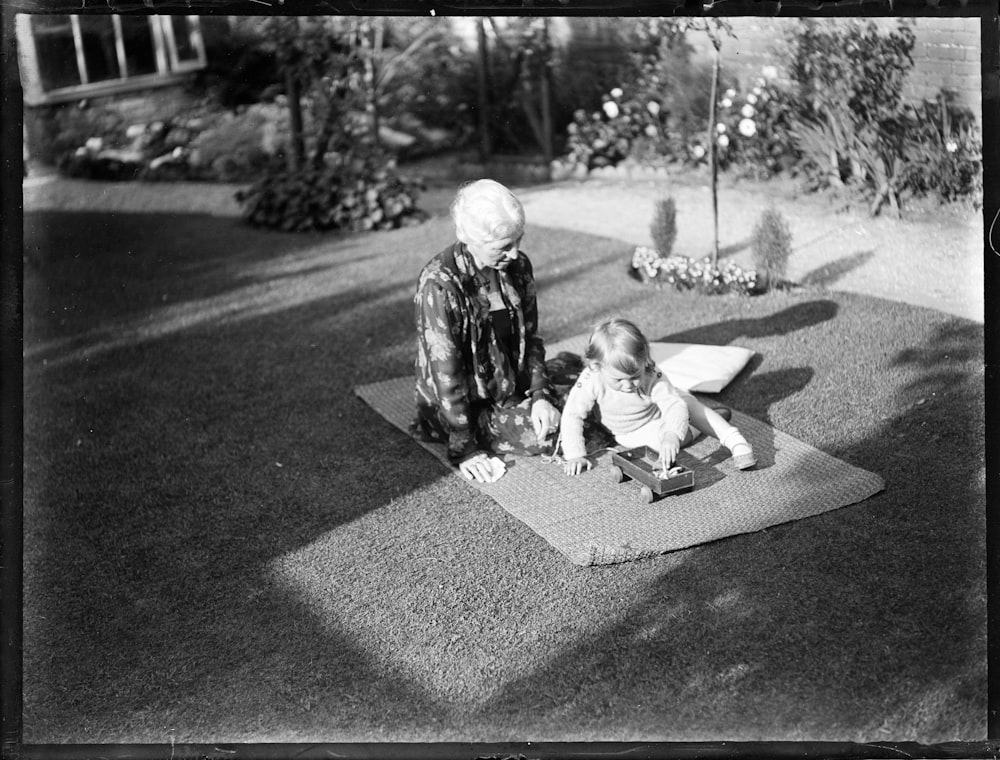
(424, 376)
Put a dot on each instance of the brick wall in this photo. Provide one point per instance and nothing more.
(946, 54)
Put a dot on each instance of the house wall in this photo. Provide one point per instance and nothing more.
(49, 125)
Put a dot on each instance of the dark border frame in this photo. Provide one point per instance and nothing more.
(12, 387)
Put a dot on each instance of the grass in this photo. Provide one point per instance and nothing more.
(223, 544)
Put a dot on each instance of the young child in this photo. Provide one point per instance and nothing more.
(637, 403)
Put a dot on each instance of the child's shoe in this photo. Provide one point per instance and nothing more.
(723, 411)
(743, 456)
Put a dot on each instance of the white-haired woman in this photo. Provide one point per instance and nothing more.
(481, 383)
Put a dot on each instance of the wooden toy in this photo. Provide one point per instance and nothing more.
(643, 465)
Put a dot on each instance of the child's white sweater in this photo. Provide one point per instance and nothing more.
(621, 412)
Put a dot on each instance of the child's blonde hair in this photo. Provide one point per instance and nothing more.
(620, 345)
(484, 211)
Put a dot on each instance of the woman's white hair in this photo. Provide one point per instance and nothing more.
(484, 211)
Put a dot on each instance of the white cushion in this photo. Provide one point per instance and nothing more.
(697, 367)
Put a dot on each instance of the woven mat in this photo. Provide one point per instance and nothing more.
(594, 521)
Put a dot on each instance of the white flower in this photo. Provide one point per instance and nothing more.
(720, 128)
(653, 107)
(611, 109)
(726, 102)
(730, 93)
(769, 72)
(134, 130)
(752, 97)
(748, 128)
(617, 92)
(698, 151)
(723, 141)
(651, 130)
(951, 145)
(94, 143)
(747, 111)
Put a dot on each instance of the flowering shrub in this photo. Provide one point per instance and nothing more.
(603, 138)
(685, 273)
(659, 117)
(754, 130)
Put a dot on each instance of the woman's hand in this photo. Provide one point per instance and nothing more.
(578, 465)
(477, 467)
(544, 418)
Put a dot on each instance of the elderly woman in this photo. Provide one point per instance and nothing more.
(481, 382)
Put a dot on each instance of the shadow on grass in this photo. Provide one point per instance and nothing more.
(193, 461)
(791, 319)
(831, 628)
(138, 263)
(734, 248)
(830, 273)
(220, 538)
(765, 390)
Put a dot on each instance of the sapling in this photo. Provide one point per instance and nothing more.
(664, 226)
(771, 246)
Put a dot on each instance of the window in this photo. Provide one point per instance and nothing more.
(70, 56)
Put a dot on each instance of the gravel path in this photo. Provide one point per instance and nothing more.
(933, 261)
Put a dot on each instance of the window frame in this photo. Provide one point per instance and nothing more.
(170, 69)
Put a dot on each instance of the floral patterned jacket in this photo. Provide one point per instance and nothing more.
(459, 362)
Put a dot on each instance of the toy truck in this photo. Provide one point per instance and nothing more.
(643, 465)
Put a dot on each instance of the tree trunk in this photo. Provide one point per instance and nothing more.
(483, 82)
(293, 91)
(297, 154)
(546, 96)
(713, 159)
(372, 59)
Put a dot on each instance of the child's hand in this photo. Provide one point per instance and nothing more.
(578, 465)
(670, 445)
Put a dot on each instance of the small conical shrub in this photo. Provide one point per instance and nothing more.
(664, 226)
(771, 246)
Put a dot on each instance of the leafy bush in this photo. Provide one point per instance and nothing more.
(237, 146)
(943, 155)
(243, 66)
(351, 196)
(664, 226)
(771, 246)
(685, 273)
(848, 120)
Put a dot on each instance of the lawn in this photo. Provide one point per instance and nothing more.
(223, 544)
